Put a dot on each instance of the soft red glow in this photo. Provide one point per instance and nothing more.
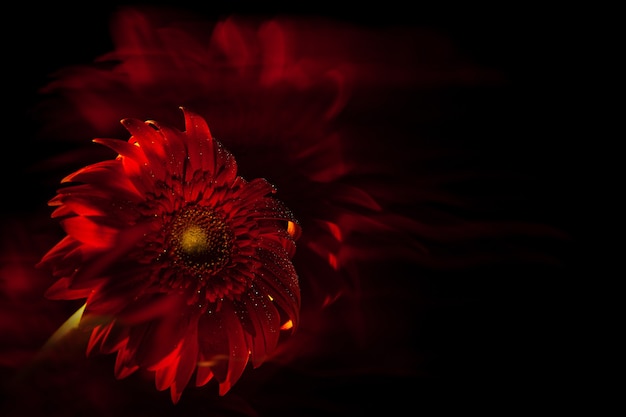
(335, 230)
(332, 261)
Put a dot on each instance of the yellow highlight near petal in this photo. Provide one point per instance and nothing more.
(194, 240)
(52, 344)
(213, 361)
(291, 228)
(69, 325)
(287, 325)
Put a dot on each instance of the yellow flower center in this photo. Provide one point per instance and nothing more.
(195, 241)
(200, 240)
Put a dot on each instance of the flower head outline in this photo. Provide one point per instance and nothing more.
(185, 266)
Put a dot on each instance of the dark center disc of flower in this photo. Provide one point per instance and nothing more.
(200, 241)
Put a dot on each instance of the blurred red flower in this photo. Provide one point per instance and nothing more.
(175, 253)
(325, 111)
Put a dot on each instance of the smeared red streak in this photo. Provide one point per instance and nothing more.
(333, 261)
(274, 46)
(231, 42)
(334, 229)
(323, 251)
(332, 166)
(343, 93)
(132, 32)
(331, 299)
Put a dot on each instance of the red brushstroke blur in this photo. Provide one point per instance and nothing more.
(391, 141)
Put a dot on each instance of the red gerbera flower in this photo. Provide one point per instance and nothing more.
(185, 265)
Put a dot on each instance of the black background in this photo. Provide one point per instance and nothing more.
(535, 324)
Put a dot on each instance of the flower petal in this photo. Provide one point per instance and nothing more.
(238, 348)
(278, 279)
(150, 142)
(188, 361)
(89, 232)
(265, 320)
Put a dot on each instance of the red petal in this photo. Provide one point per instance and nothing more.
(213, 344)
(203, 375)
(270, 208)
(200, 145)
(252, 191)
(113, 296)
(122, 147)
(98, 335)
(124, 362)
(55, 255)
(60, 291)
(96, 173)
(150, 143)
(223, 346)
(166, 373)
(278, 278)
(124, 190)
(266, 323)
(188, 361)
(116, 338)
(159, 339)
(175, 150)
(89, 232)
(238, 348)
(150, 307)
